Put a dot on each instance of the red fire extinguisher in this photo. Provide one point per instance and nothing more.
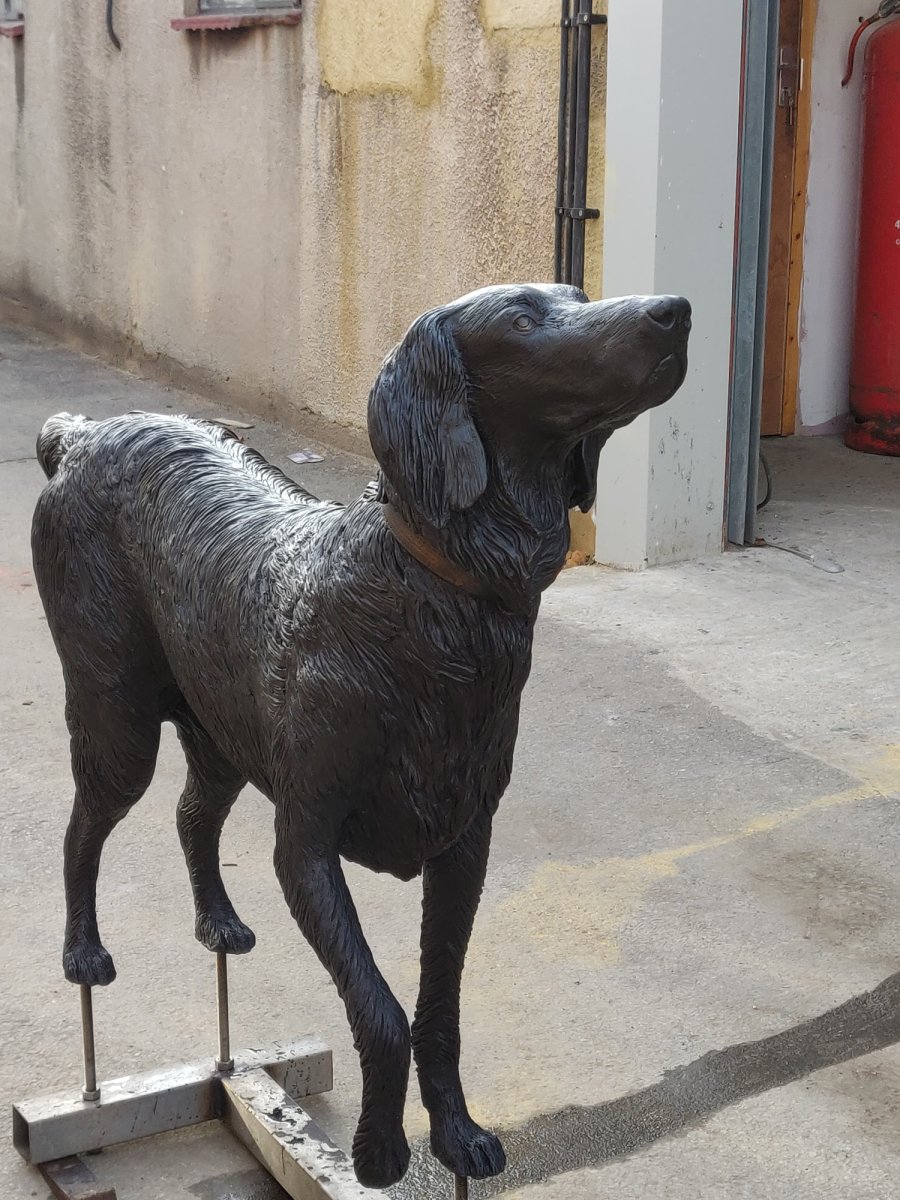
(875, 373)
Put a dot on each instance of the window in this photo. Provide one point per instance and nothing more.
(12, 18)
(236, 14)
(211, 6)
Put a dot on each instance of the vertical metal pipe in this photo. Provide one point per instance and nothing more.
(461, 1189)
(89, 1091)
(562, 159)
(574, 85)
(224, 1062)
(582, 103)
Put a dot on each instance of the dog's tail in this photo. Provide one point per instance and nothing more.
(57, 437)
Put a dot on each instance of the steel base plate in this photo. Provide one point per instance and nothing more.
(258, 1101)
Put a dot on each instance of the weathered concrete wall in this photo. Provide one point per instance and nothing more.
(12, 154)
(269, 208)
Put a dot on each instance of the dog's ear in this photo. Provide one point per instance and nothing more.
(420, 426)
(581, 471)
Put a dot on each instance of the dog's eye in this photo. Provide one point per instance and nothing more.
(524, 323)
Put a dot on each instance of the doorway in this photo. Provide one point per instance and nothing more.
(828, 505)
(773, 165)
(790, 171)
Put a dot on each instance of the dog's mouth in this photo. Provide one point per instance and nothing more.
(660, 385)
(667, 377)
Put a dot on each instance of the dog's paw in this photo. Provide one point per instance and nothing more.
(465, 1148)
(380, 1159)
(88, 962)
(224, 932)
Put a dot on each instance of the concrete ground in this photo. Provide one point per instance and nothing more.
(684, 977)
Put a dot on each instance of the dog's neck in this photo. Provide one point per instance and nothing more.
(512, 543)
(424, 550)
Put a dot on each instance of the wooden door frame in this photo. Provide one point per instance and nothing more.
(808, 14)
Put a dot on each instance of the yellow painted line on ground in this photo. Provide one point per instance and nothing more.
(577, 912)
(573, 916)
(884, 773)
(569, 915)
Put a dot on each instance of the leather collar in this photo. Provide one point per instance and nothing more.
(430, 557)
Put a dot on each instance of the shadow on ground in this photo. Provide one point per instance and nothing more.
(578, 1138)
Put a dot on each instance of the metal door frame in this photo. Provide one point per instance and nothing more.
(759, 101)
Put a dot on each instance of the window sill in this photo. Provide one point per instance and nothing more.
(12, 29)
(224, 20)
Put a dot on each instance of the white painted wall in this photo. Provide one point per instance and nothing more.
(831, 221)
(671, 173)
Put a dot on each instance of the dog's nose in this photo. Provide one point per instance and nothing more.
(670, 312)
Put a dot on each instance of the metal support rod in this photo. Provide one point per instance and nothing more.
(224, 1062)
(461, 1190)
(90, 1091)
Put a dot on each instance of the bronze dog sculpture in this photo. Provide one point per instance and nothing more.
(361, 665)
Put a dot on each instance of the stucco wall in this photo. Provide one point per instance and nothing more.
(829, 275)
(270, 208)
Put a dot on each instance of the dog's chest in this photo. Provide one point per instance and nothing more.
(443, 734)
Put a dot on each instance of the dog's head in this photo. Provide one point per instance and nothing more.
(535, 372)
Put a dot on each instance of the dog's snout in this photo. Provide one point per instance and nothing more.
(670, 312)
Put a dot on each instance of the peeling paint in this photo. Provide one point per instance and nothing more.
(372, 46)
(519, 14)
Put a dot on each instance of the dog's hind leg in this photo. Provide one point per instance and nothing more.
(452, 889)
(320, 902)
(113, 756)
(211, 789)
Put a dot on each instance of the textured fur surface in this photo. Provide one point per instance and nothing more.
(295, 644)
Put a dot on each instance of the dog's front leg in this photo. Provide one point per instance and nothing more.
(452, 889)
(316, 891)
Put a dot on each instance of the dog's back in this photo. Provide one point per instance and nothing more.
(157, 546)
(118, 436)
